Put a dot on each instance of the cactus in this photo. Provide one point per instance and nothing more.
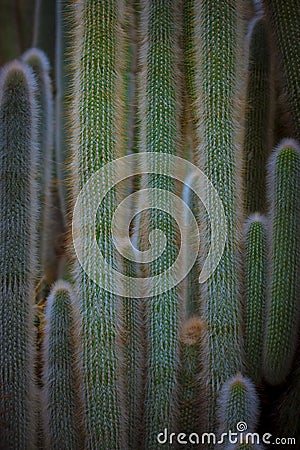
(98, 120)
(255, 293)
(190, 78)
(189, 382)
(219, 90)
(134, 361)
(287, 408)
(285, 21)
(39, 63)
(61, 381)
(238, 403)
(18, 168)
(63, 79)
(44, 27)
(258, 121)
(282, 309)
(158, 113)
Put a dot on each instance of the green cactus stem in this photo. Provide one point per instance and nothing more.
(238, 405)
(158, 114)
(255, 293)
(18, 169)
(258, 126)
(283, 305)
(39, 63)
(285, 20)
(219, 31)
(63, 81)
(189, 380)
(98, 117)
(287, 408)
(61, 401)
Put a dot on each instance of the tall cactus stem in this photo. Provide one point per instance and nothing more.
(283, 306)
(18, 169)
(258, 125)
(285, 20)
(39, 63)
(221, 92)
(98, 121)
(63, 82)
(159, 111)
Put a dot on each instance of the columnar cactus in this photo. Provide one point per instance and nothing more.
(134, 359)
(283, 307)
(61, 378)
(285, 20)
(219, 29)
(158, 112)
(255, 293)
(62, 78)
(189, 376)
(39, 63)
(258, 124)
(98, 119)
(18, 170)
(238, 406)
(287, 408)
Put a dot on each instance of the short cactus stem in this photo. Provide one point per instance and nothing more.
(258, 124)
(255, 293)
(61, 397)
(18, 170)
(189, 376)
(238, 407)
(283, 306)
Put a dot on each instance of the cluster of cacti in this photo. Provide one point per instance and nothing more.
(87, 366)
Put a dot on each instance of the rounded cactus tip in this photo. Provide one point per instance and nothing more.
(15, 74)
(36, 57)
(285, 144)
(238, 401)
(192, 331)
(255, 218)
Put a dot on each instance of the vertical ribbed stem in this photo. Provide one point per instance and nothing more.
(159, 113)
(98, 118)
(18, 169)
(39, 63)
(255, 293)
(219, 31)
(258, 126)
(61, 402)
(285, 20)
(283, 302)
